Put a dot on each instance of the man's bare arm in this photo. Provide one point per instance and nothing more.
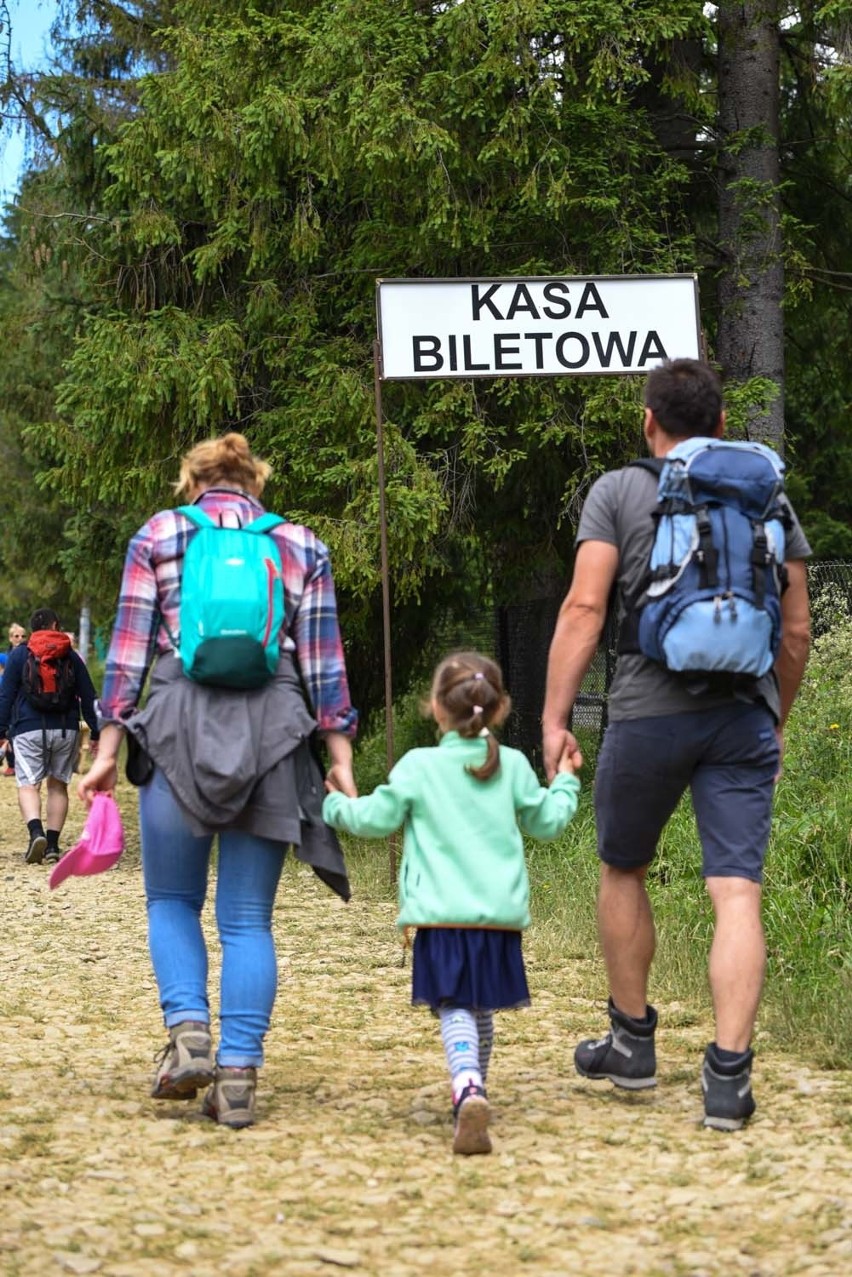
(578, 630)
(795, 635)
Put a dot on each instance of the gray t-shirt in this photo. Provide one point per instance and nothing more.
(618, 511)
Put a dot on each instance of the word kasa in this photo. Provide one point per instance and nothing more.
(505, 351)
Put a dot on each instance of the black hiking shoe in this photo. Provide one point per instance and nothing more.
(34, 853)
(626, 1056)
(728, 1101)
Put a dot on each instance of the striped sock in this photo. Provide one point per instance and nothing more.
(461, 1045)
(485, 1028)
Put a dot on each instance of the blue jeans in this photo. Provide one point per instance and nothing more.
(175, 864)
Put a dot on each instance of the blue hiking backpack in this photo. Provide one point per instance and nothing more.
(710, 601)
(231, 602)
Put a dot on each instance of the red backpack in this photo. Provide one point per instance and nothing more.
(48, 680)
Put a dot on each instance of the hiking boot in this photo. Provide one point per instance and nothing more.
(728, 1101)
(230, 1100)
(626, 1056)
(34, 853)
(185, 1063)
(471, 1113)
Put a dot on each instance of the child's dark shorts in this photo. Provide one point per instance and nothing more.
(727, 757)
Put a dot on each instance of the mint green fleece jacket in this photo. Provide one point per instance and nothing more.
(463, 853)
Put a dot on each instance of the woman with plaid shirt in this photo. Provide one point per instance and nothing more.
(268, 793)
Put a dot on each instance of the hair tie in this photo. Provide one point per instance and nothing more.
(477, 709)
(479, 674)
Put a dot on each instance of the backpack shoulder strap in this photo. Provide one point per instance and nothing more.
(627, 638)
(196, 516)
(654, 464)
(265, 523)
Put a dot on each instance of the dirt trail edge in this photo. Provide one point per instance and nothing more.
(350, 1165)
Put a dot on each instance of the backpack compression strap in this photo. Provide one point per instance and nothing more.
(707, 555)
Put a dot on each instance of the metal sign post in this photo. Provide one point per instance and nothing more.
(385, 571)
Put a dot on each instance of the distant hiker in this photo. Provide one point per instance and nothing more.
(43, 692)
(242, 620)
(464, 805)
(17, 635)
(709, 665)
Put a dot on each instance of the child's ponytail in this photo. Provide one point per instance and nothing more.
(468, 688)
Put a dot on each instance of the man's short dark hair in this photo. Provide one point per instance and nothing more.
(685, 396)
(43, 618)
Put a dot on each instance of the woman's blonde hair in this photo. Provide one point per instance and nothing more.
(227, 460)
(468, 687)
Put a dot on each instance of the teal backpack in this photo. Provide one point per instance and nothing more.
(231, 602)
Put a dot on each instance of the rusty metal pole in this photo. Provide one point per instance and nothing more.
(385, 570)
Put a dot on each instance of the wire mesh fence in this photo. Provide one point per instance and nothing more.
(830, 589)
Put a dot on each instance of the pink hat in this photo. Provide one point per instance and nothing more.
(101, 842)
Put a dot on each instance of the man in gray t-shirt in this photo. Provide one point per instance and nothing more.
(722, 743)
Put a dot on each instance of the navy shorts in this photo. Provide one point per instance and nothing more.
(728, 758)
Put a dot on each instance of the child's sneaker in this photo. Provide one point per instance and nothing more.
(471, 1113)
(51, 856)
(728, 1101)
(186, 1062)
(626, 1056)
(230, 1100)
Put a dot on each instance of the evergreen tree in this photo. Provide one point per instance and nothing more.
(222, 186)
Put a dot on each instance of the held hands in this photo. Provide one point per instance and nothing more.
(570, 760)
(561, 752)
(340, 780)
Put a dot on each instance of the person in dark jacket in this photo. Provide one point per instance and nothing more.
(45, 728)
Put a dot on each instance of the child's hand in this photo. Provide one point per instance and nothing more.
(340, 780)
(570, 760)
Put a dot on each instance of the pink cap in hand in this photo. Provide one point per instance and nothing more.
(100, 846)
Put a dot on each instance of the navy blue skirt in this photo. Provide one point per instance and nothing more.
(481, 970)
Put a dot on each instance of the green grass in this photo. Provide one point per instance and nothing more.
(807, 1003)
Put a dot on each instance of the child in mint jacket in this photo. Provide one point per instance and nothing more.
(464, 805)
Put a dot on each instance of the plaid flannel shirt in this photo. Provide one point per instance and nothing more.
(150, 595)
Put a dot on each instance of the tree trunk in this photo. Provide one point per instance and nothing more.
(751, 284)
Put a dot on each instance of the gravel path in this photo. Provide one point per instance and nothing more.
(350, 1165)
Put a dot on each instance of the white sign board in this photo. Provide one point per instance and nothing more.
(535, 327)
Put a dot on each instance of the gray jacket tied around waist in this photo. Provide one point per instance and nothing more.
(242, 760)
